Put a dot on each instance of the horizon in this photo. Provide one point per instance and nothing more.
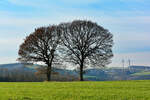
(127, 20)
(74, 68)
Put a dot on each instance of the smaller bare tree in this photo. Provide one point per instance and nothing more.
(41, 46)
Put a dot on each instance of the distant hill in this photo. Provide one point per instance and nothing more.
(130, 73)
(11, 66)
(140, 67)
(19, 66)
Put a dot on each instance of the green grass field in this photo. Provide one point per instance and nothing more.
(114, 90)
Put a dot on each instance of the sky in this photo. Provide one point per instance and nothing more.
(127, 20)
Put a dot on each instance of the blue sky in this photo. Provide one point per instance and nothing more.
(127, 20)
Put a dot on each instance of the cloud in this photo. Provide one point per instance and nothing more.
(131, 34)
(26, 2)
(40, 2)
(5, 60)
(128, 31)
(10, 41)
(9, 46)
(129, 27)
(138, 58)
(80, 1)
(139, 1)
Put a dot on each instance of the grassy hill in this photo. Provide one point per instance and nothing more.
(108, 90)
(141, 73)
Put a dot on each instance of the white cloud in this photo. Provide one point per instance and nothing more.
(10, 41)
(129, 31)
(5, 60)
(9, 47)
(26, 2)
(80, 1)
(36, 3)
(138, 58)
(139, 1)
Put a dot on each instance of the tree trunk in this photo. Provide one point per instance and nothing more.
(49, 68)
(49, 73)
(81, 72)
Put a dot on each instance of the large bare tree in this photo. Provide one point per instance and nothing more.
(41, 46)
(87, 44)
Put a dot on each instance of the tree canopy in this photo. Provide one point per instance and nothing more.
(87, 43)
(83, 43)
(41, 46)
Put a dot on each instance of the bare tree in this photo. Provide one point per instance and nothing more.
(87, 44)
(41, 46)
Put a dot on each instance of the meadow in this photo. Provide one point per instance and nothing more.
(107, 90)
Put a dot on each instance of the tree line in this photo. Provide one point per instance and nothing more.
(22, 75)
(80, 44)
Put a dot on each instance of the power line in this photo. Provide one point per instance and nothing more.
(123, 72)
